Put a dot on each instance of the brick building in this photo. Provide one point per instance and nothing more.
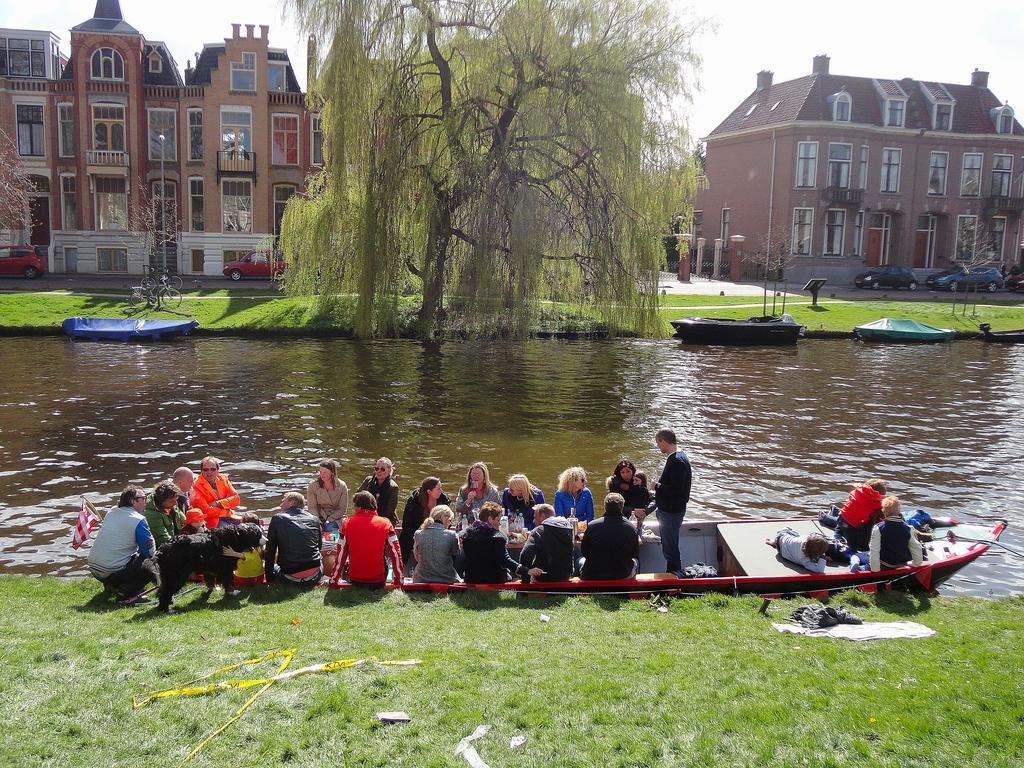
(116, 129)
(842, 172)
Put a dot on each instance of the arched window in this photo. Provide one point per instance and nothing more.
(841, 107)
(1004, 119)
(107, 64)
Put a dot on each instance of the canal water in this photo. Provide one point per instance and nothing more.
(770, 432)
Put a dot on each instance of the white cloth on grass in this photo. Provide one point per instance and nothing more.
(869, 630)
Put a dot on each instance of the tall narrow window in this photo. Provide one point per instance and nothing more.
(835, 228)
(803, 221)
(30, 130)
(66, 130)
(996, 235)
(108, 127)
(195, 134)
(236, 206)
(1002, 174)
(891, 170)
(937, 166)
(864, 152)
(858, 234)
(840, 156)
(1004, 120)
(277, 77)
(236, 129)
(966, 237)
(243, 73)
(68, 203)
(806, 163)
(282, 194)
(165, 194)
(197, 218)
(970, 179)
(163, 122)
(317, 142)
(286, 140)
(943, 117)
(111, 203)
(841, 108)
(894, 109)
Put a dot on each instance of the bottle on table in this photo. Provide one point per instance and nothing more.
(503, 525)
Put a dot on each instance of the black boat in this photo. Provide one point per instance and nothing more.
(754, 331)
(1004, 337)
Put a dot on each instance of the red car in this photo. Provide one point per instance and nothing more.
(255, 264)
(1015, 282)
(22, 260)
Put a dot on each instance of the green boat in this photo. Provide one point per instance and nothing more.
(898, 329)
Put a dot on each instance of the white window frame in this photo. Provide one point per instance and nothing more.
(858, 233)
(885, 177)
(64, 217)
(246, 65)
(170, 148)
(156, 63)
(191, 199)
(963, 172)
(945, 174)
(956, 238)
(848, 163)
(189, 114)
(315, 127)
(889, 104)
(65, 117)
(843, 98)
(96, 202)
(234, 110)
(237, 209)
(1006, 173)
(829, 226)
(794, 249)
(116, 61)
(935, 115)
(811, 163)
(1005, 113)
(298, 135)
(32, 136)
(284, 76)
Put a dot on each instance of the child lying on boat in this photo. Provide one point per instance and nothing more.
(807, 551)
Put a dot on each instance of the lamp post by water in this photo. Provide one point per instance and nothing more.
(163, 203)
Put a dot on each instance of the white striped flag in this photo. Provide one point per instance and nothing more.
(87, 520)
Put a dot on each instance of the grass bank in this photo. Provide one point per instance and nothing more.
(249, 311)
(605, 682)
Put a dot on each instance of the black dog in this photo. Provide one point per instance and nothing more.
(202, 553)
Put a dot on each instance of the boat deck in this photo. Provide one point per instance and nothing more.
(744, 552)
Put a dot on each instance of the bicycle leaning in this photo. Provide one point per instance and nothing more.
(156, 293)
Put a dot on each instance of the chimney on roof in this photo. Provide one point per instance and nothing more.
(764, 80)
(264, 31)
(235, 30)
(979, 79)
(819, 66)
(188, 72)
(250, 30)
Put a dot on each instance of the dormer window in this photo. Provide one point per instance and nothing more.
(107, 64)
(277, 77)
(243, 74)
(156, 64)
(751, 110)
(1004, 119)
(894, 111)
(775, 106)
(943, 120)
(841, 107)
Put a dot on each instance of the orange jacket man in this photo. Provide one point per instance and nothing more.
(213, 492)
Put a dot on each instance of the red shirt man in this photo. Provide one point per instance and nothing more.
(365, 539)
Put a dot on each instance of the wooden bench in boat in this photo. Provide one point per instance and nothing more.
(744, 552)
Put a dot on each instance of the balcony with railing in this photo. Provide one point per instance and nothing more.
(113, 159)
(1005, 203)
(236, 162)
(842, 195)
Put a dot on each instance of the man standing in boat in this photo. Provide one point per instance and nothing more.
(671, 495)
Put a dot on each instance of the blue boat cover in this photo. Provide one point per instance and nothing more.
(97, 328)
(901, 329)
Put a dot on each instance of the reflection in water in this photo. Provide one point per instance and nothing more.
(769, 431)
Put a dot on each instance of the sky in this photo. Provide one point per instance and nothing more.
(940, 40)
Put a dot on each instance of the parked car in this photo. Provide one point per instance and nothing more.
(977, 277)
(1015, 282)
(22, 260)
(889, 276)
(931, 280)
(258, 264)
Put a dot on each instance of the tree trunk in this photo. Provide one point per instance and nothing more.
(438, 239)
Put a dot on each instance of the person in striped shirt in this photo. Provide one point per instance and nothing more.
(366, 539)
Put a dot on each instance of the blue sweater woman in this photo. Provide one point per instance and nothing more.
(583, 501)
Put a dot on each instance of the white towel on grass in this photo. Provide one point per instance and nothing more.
(869, 630)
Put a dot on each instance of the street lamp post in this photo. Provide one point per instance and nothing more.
(163, 203)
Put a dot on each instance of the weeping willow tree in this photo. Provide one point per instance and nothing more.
(491, 154)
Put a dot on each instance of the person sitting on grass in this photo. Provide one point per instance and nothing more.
(214, 494)
(366, 539)
(485, 548)
(164, 518)
(893, 542)
(548, 552)
(435, 549)
(293, 544)
(250, 566)
(610, 546)
(807, 551)
(121, 556)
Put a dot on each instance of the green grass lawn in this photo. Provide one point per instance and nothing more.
(606, 682)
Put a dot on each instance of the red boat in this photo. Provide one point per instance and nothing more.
(746, 565)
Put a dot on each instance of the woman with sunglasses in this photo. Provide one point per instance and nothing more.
(214, 494)
(384, 489)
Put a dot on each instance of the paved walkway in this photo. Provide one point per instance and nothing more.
(669, 284)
